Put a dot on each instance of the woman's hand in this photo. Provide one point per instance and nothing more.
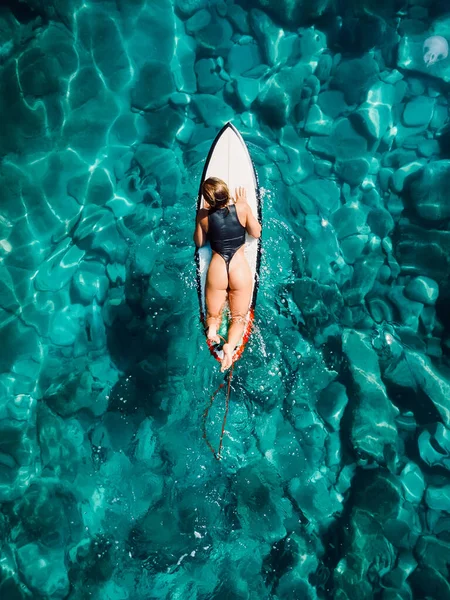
(241, 195)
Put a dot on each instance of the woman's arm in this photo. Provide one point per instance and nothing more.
(199, 233)
(251, 224)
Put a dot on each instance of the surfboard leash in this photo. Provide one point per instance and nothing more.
(228, 378)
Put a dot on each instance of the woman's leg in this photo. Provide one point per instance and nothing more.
(216, 295)
(239, 296)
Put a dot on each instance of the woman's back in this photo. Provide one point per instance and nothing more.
(226, 234)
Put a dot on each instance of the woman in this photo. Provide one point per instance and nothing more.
(224, 224)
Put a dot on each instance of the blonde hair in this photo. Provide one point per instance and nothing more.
(216, 192)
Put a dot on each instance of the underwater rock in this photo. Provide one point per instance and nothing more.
(332, 403)
(423, 251)
(244, 56)
(352, 247)
(24, 131)
(159, 127)
(89, 282)
(418, 111)
(364, 275)
(153, 87)
(324, 66)
(427, 580)
(317, 501)
(182, 65)
(198, 21)
(346, 141)
(428, 148)
(401, 177)
(409, 311)
(434, 446)
(438, 498)
(324, 191)
(312, 43)
(374, 431)
(265, 32)
(413, 483)
(352, 171)
(296, 559)
(317, 302)
(66, 325)
(380, 222)
(368, 555)
(323, 168)
(260, 501)
(150, 30)
(48, 511)
(68, 391)
(239, 18)
(212, 32)
(282, 93)
(428, 192)
(350, 219)
(422, 289)
(105, 42)
(17, 440)
(317, 122)
(404, 529)
(439, 119)
(380, 497)
(44, 570)
(332, 102)
(375, 114)
(207, 71)
(296, 164)
(374, 119)
(213, 111)
(145, 255)
(60, 267)
(290, 12)
(433, 381)
(354, 77)
(435, 551)
(188, 7)
(380, 308)
(247, 90)
(160, 165)
(97, 231)
(406, 563)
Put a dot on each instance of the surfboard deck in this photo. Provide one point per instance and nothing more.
(229, 159)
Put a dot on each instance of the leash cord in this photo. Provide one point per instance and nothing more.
(228, 377)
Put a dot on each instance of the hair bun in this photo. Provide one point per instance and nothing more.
(215, 191)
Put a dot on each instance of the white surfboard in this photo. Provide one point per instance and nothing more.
(229, 159)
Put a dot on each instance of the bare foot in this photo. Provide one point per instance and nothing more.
(227, 359)
(212, 334)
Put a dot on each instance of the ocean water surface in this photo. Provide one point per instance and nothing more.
(334, 481)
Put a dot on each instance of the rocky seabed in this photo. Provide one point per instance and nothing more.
(335, 477)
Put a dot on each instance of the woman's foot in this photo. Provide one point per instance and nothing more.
(227, 359)
(212, 334)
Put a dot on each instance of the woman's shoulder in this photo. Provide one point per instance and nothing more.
(202, 213)
(241, 208)
(241, 212)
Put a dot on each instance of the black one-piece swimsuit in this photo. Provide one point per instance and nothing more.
(225, 233)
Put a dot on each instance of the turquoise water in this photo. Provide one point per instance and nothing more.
(334, 481)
